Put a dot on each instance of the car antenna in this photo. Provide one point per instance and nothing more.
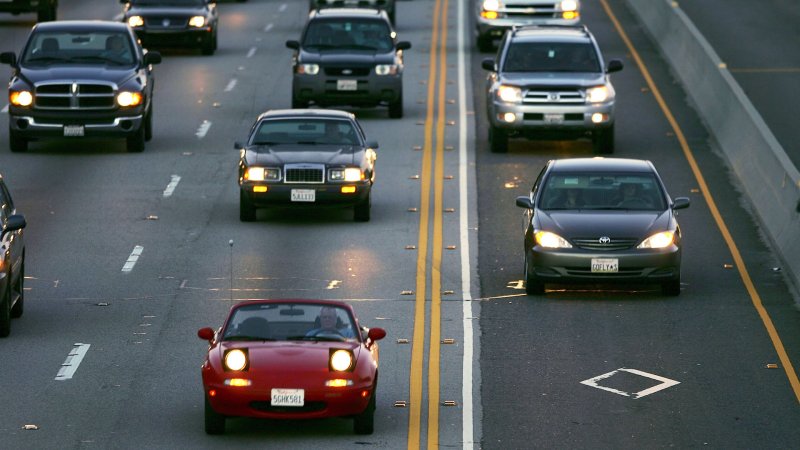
(230, 244)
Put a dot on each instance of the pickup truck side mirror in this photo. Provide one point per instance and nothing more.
(614, 65)
(9, 58)
(403, 45)
(294, 45)
(488, 64)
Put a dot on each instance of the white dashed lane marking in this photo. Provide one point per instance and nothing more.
(282, 8)
(133, 258)
(172, 185)
(268, 27)
(231, 85)
(251, 52)
(203, 129)
(72, 362)
(4, 110)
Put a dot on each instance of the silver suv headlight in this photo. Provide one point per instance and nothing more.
(599, 94)
(509, 94)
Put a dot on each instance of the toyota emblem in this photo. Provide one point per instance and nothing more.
(347, 72)
(605, 240)
(554, 96)
(165, 22)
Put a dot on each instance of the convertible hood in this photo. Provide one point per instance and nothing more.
(298, 356)
(292, 154)
(78, 73)
(561, 79)
(614, 224)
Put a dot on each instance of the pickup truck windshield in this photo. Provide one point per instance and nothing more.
(102, 47)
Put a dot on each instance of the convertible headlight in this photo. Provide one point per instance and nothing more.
(569, 5)
(510, 94)
(491, 5)
(598, 94)
(348, 174)
(20, 98)
(341, 360)
(386, 69)
(551, 240)
(136, 21)
(236, 359)
(262, 174)
(197, 22)
(308, 69)
(126, 98)
(659, 240)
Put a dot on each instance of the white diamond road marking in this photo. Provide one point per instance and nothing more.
(665, 383)
(133, 258)
(172, 185)
(72, 362)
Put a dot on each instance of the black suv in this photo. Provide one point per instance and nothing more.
(45, 9)
(12, 275)
(549, 81)
(76, 79)
(348, 57)
(386, 5)
(180, 23)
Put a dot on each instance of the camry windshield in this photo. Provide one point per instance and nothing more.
(602, 191)
(96, 47)
(348, 34)
(551, 57)
(305, 131)
(290, 322)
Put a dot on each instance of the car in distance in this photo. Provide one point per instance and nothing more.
(81, 79)
(174, 23)
(12, 275)
(550, 82)
(601, 220)
(385, 5)
(350, 57)
(495, 17)
(45, 9)
(306, 157)
(291, 359)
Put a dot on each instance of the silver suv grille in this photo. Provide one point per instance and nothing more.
(561, 96)
(304, 173)
(85, 96)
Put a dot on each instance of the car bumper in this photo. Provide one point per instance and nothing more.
(31, 127)
(370, 90)
(550, 117)
(186, 37)
(325, 194)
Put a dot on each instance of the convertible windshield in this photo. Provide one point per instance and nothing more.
(100, 47)
(349, 34)
(312, 322)
(305, 131)
(602, 191)
(551, 57)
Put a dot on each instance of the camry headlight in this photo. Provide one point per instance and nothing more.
(20, 98)
(262, 174)
(136, 21)
(126, 98)
(551, 240)
(659, 240)
(236, 359)
(569, 5)
(491, 5)
(197, 22)
(347, 174)
(510, 94)
(308, 69)
(386, 69)
(598, 94)
(341, 360)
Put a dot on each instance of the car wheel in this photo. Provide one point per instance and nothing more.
(5, 313)
(17, 143)
(298, 104)
(215, 423)
(364, 423)
(361, 212)
(672, 287)
(148, 124)
(19, 306)
(532, 285)
(135, 143)
(208, 46)
(485, 44)
(603, 140)
(498, 140)
(247, 213)
(396, 108)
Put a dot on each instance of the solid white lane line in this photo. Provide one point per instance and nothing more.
(282, 7)
(203, 129)
(133, 258)
(72, 362)
(268, 27)
(172, 185)
(231, 85)
(251, 52)
(4, 110)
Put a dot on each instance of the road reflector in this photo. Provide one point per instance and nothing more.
(30, 427)
(151, 217)
(407, 293)
(448, 177)
(448, 341)
(414, 177)
(402, 341)
(417, 147)
(772, 366)
(451, 122)
(447, 293)
(451, 247)
(400, 404)
(449, 147)
(449, 403)
(449, 210)
(411, 247)
(412, 209)
(728, 266)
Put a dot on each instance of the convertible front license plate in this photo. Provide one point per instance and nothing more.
(605, 265)
(288, 397)
(304, 195)
(346, 85)
(553, 118)
(73, 130)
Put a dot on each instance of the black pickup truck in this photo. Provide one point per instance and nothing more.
(81, 79)
(44, 9)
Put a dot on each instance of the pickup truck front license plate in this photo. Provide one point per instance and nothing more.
(288, 397)
(346, 85)
(73, 130)
(605, 265)
(304, 195)
(553, 118)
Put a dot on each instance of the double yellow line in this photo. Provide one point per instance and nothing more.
(432, 154)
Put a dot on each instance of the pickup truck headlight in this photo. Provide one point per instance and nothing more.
(197, 22)
(569, 5)
(386, 69)
(308, 69)
(126, 99)
(598, 94)
(262, 174)
(20, 98)
(509, 94)
(349, 174)
(136, 21)
(491, 5)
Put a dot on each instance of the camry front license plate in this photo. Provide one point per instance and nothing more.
(605, 265)
(288, 397)
(553, 118)
(73, 130)
(346, 85)
(304, 195)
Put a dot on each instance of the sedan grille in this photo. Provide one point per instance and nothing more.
(613, 244)
(305, 173)
(88, 96)
(166, 22)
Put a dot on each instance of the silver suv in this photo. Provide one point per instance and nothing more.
(494, 17)
(548, 81)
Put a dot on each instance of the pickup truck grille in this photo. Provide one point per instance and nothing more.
(71, 96)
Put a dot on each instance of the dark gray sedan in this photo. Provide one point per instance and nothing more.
(601, 220)
(306, 158)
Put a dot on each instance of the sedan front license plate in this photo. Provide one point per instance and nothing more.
(346, 85)
(288, 397)
(304, 195)
(73, 130)
(605, 265)
(553, 118)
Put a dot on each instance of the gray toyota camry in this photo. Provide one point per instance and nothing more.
(601, 220)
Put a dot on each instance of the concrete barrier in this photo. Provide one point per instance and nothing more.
(767, 175)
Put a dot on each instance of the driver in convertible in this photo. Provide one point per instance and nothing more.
(330, 323)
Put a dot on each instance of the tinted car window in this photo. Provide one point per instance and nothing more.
(551, 57)
(46, 48)
(602, 191)
(360, 34)
(295, 131)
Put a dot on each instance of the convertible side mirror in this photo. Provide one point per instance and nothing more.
(206, 334)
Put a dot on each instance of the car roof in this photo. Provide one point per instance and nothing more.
(316, 113)
(552, 33)
(600, 165)
(347, 13)
(88, 25)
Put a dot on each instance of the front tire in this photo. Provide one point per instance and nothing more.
(532, 285)
(5, 313)
(364, 423)
(247, 212)
(135, 143)
(603, 140)
(214, 423)
(498, 140)
(396, 108)
(148, 124)
(672, 287)
(17, 143)
(361, 212)
(19, 289)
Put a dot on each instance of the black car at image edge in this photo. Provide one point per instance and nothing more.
(12, 275)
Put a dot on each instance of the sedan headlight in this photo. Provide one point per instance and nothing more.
(136, 21)
(350, 174)
(236, 359)
(491, 5)
(386, 69)
(551, 240)
(569, 5)
(20, 98)
(341, 360)
(197, 22)
(308, 69)
(126, 98)
(659, 240)
(598, 94)
(262, 174)
(509, 94)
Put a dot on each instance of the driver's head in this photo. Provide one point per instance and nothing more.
(327, 318)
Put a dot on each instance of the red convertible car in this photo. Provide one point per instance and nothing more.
(291, 359)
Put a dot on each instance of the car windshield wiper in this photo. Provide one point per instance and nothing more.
(358, 47)
(99, 58)
(321, 46)
(246, 338)
(315, 338)
(269, 143)
(308, 142)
